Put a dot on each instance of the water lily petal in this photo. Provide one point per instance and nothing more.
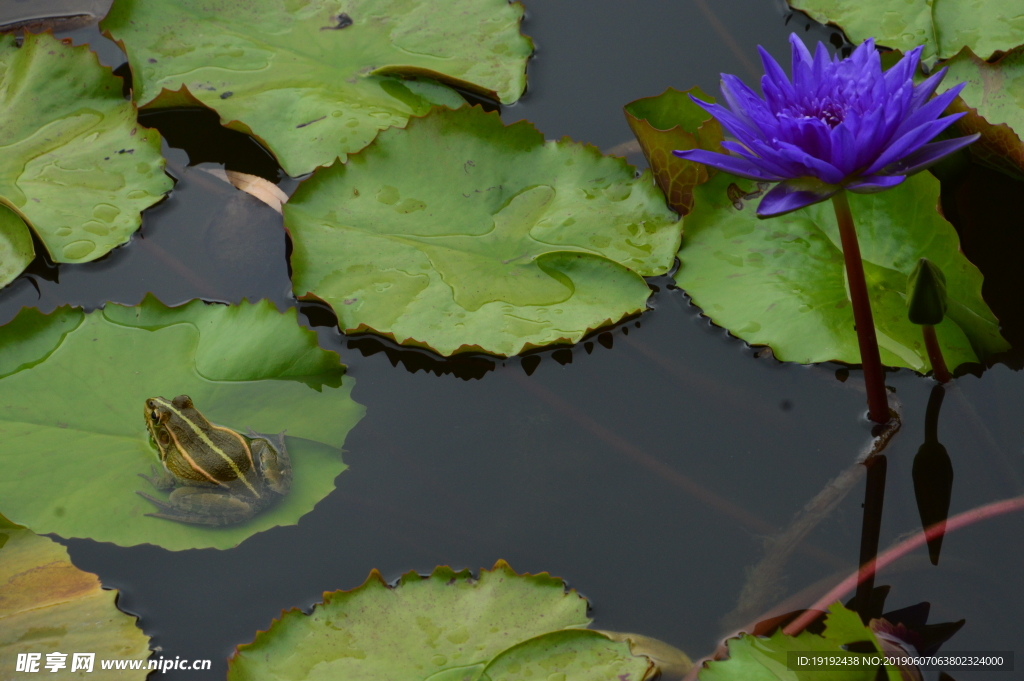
(857, 74)
(904, 69)
(875, 183)
(815, 166)
(895, 111)
(810, 134)
(870, 142)
(740, 149)
(802, 69)
(744, 102)
(910, 142)
(929, 154)
(822, 62)
(930, 111)
(775, 84)
(844, 148)
(732, 123)
(793, 195)
(730, 164)
(771, 159)
(927, 87)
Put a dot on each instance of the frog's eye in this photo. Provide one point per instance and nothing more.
(182, 402)
(155, 416)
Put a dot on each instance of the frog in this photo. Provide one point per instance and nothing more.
(216, 475)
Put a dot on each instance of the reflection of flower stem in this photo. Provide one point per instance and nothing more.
(903, 548)
(931, 343)
(874, 377)
(871, 530)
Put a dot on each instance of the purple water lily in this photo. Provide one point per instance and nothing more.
(839, 124)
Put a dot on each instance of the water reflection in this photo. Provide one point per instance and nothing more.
(868, 602)
(465, 367)
(933, 474)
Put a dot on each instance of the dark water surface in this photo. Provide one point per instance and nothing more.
(645, 466)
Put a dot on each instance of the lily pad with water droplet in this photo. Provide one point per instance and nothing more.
(317, 80)
(445, 627)
(72, 416)
(77, 167)
(942, 26)
(47, 604)
(781, 281)
(459, 233)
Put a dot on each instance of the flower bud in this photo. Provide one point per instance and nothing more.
(926, 293)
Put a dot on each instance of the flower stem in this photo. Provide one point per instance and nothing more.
(874, 376)
(931, 343)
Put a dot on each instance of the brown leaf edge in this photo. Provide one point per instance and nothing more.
(999, 147)
(675, 176)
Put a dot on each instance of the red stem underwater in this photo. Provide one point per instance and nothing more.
(874, 376)
(903, 548)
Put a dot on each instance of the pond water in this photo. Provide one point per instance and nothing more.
(648, 466)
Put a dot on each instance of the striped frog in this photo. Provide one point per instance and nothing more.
(216, 475)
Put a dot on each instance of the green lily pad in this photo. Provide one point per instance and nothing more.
(459, 233)
(445, 627)
(993, 105)
(317, 80)
(72, 422)
(77, 167)
(757, 658)
(16, 249)
(47, 604)
(942, 26)
(669, 122)
(781, 281)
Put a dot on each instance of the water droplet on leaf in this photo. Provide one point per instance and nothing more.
(77, 250)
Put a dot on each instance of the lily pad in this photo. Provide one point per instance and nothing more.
(77, 167)
(669, 122)
(942, 26)
(71, 412)
(993, 106)
(461, 234)
(16, 249)
(445, 627)
(757, 658)
(781, 281)
(48, 604)
(317, 80)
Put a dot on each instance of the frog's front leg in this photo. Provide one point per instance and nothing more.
(201, 507)
(161, 478)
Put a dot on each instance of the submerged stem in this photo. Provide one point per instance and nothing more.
(874, 376)
(931, 343)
